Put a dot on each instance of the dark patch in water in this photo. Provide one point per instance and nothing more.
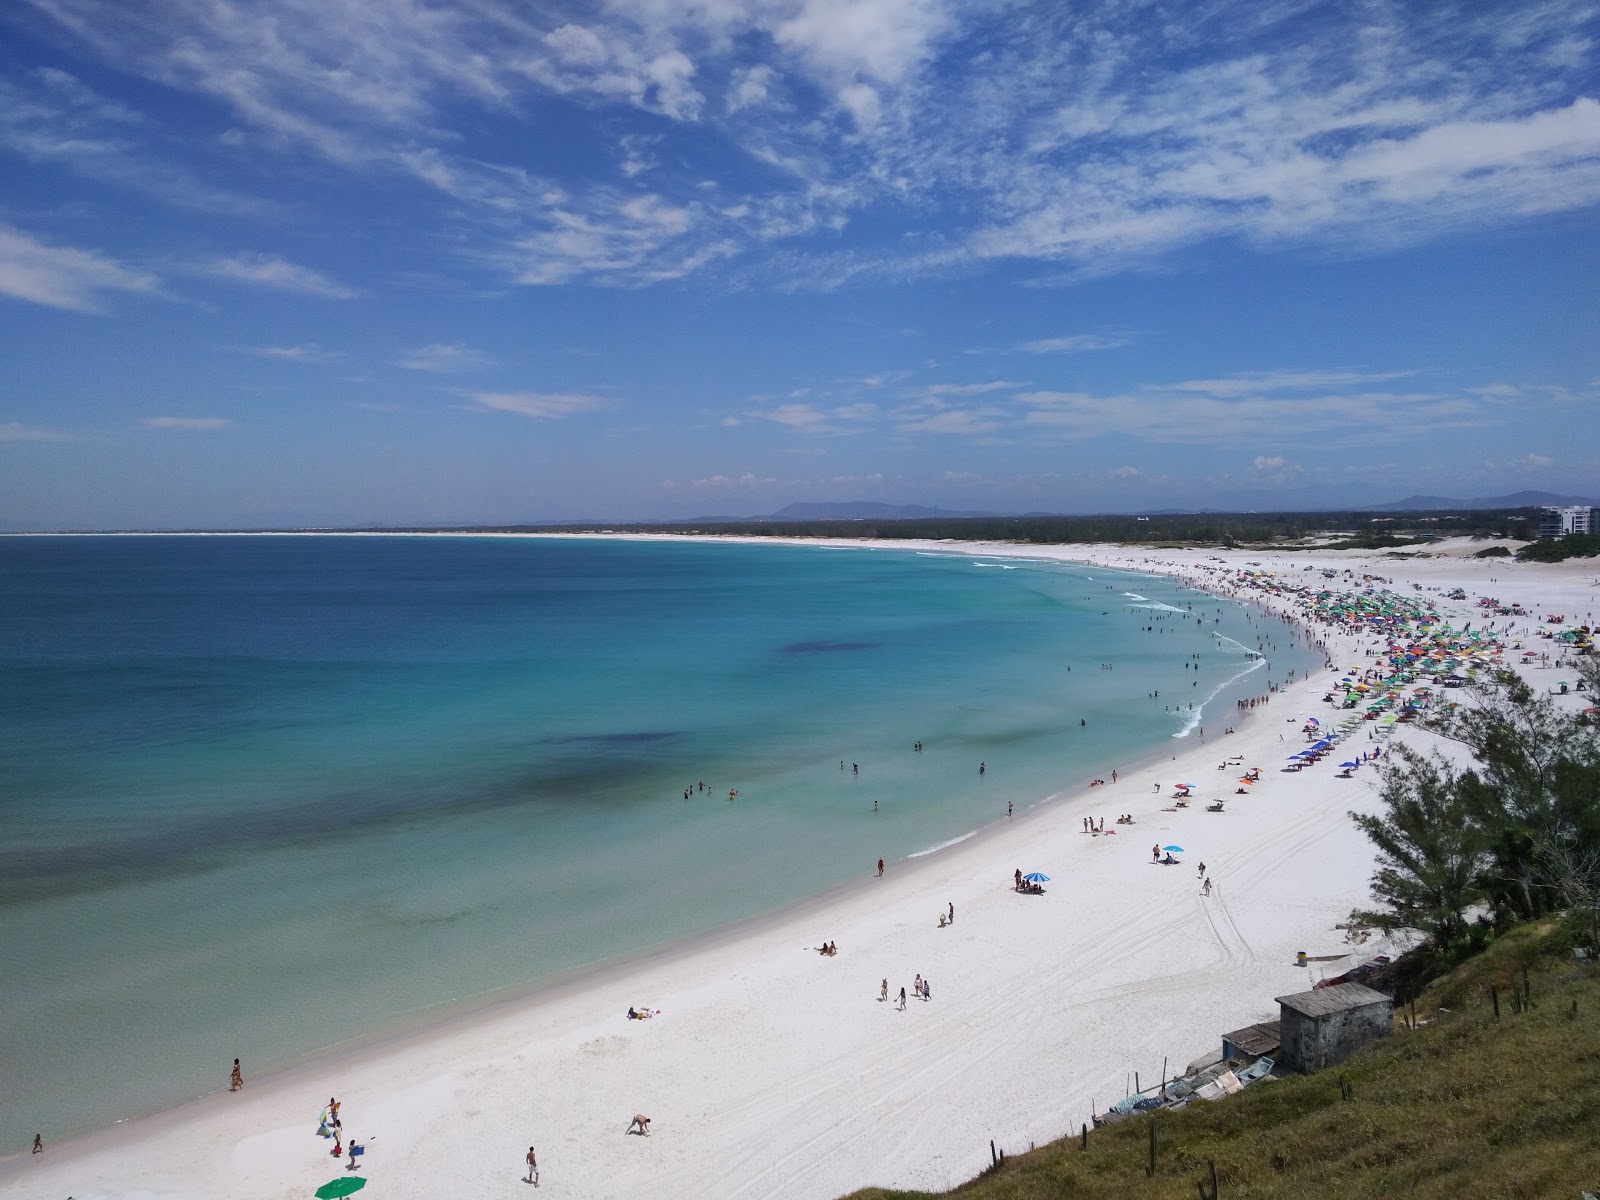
(609, 739)
(826, 647)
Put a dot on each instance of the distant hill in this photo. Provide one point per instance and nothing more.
(865, 510)
(1514, 500)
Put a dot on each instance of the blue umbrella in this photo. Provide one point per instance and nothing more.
(1036, 877)
(1174, 849)
(1349, 764)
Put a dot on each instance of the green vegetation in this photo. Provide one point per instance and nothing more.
(1574, 545)
(1515, 836)
(1361, 530)
(1465, 1105)
(1494, 552)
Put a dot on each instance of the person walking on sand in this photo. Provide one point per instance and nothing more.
(916, 986)
(902, 999)
(236, 1080)
(880, 868)
(1205, 888)
(533, 1167)
(1202, 870)
(38, 1143)
(952, 912)
(883, 992)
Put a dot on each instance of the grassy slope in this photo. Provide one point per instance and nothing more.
(1465, 1106)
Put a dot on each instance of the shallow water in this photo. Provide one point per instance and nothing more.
(264, 794)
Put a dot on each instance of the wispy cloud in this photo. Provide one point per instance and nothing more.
(543, 405)
(305, 352)
(270, 271)
(197, 423)
(62, 276)
(442, 357)
(16, 431)
(1078, 343)
(1088, 138)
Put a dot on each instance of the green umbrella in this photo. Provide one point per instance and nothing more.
(340, 1187)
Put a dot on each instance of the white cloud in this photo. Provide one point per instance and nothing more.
(1534, 461)
(62, 276)
(16, 431)
(204, 423)
(305, 352)
(954, 421)
(730, 482)
(1077, 343)
(543, 405)
(1126, 473)
(442, 357)
(1092, 138)
(750, 87)
(270, 271)
(818, 419)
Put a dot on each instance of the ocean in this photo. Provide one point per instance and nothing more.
(263, 795)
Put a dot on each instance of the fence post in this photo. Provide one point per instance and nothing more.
(1494, 995)
(1086, 1127)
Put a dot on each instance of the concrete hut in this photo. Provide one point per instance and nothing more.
(1323, 1027)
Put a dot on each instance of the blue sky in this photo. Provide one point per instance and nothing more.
(335, 261)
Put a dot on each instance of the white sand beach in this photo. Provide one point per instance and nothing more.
(772, 1070)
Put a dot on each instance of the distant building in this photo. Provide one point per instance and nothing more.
(1323, 1027)
(1573, 518)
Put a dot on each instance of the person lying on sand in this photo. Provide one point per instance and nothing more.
(1168, 861)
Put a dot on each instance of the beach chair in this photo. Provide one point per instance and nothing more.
(1214, 806)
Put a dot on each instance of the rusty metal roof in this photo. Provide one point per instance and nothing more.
(1255, 1040)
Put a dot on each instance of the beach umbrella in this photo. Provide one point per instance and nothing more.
(1349, 764)
(1174, 849)
(1036, 877)
(340, 1187)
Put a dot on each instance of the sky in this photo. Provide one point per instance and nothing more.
(306, 262)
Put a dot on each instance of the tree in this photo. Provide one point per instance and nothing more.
(1533, 791)
(1430, 854)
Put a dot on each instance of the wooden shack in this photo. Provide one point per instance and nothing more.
(1251, 1042)
(1319, 1028)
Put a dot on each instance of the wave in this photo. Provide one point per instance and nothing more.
(1239, 646)
(942, 845)
(1135, 596)
(1199, 709)
(1156, 604)
(1002, 566)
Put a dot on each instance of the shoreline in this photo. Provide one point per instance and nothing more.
(461, 1013)
(545, 1020)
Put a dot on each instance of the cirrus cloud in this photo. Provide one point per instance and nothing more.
(543, 406)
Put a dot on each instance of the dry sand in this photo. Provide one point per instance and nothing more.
(773, 1071)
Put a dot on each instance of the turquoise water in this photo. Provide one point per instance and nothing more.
(265, 794)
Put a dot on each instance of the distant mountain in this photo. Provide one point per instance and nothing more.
(1514, 500)
(864, 510)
